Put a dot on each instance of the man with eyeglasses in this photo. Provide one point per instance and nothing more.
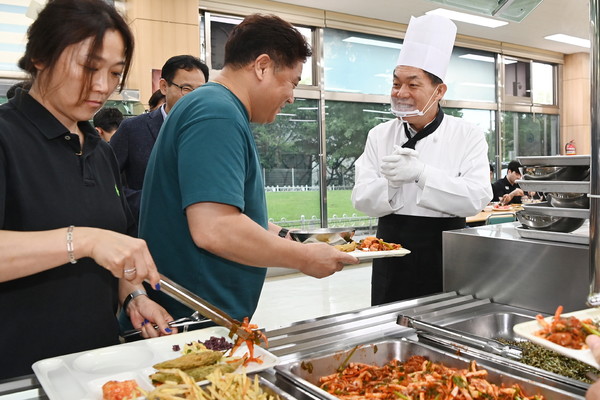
(135, 138)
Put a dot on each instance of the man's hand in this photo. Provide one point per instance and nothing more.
(403, 166)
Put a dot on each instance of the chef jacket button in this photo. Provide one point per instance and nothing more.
(67, 137)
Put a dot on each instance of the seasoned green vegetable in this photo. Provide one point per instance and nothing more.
(543, 358)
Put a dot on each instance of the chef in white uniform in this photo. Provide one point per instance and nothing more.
(423, 172)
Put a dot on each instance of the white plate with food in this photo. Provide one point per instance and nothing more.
(80, 376)
(529, 329)
(366, 255)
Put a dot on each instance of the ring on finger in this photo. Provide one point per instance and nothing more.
(129, 271)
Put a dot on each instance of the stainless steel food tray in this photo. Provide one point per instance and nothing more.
(546, 209)
(554, 186)
(306, 372)
(554, 161)
(571, 237)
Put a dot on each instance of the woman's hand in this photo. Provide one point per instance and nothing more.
(124, 256)
(145, 313)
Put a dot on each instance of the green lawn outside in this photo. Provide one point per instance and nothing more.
(292, 205)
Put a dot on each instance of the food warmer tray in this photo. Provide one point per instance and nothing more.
(579, 236)
(546, 209)
(306, 372)
(554, 161)
(554, 186)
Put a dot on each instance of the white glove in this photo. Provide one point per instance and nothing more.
(402, 166)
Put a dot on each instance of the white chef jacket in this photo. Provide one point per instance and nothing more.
(457, 179)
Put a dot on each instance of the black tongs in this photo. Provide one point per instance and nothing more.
(203, 307)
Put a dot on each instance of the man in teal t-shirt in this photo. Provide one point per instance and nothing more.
(204, 158)
(203, 211)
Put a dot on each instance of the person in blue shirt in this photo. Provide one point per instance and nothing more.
(203, 209)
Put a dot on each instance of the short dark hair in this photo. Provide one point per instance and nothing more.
(155, 99)
(186, 62)
(265, 34)
(435, 80)
(514, 166)
(108, 118)
(25, 85)
(62, 23)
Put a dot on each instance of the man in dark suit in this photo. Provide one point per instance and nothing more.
(133, 141)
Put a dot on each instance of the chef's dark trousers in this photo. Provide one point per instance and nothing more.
(418, 273)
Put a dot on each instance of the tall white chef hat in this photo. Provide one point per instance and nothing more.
(428, 44)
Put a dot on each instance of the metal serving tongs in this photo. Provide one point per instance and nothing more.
(488, 345)
(195, 302)
(184, 323)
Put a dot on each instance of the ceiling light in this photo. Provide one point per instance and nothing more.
(510, 10)
(477, 57)
(468, 18)
(372, 42)
(560, 37)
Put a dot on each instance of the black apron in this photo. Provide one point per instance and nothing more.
(418, 273)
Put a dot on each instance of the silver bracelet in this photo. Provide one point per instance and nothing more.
(132, 296)
(72, 259)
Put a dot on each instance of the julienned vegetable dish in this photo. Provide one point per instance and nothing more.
(416, 379)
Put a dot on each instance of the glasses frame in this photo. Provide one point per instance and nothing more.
(185, 89)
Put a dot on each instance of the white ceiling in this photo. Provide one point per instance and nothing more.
(569, 17)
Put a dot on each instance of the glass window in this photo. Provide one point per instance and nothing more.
(484, 119)
(526, 134)
(347, 126)
(14, 23)
(221, 26)
(471, 76)
(359, 63)
(542, 84)
(517, 78)
(289, 155)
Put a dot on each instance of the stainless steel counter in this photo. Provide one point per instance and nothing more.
(494, 262)
(487, 270)
(343, 331)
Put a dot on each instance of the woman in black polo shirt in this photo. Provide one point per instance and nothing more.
(65, 258)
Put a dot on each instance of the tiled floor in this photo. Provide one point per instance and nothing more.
(296, 297)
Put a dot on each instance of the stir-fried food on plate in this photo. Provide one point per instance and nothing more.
(567, 332)
(198, 362)
(196, 365)
(370, 243)
(120, 390)
(191, 360)
(417, 379)
(222, 386)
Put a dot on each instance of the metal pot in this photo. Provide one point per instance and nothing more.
(548, 222)
(568, 200)
(332, 236)
(567, 173)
